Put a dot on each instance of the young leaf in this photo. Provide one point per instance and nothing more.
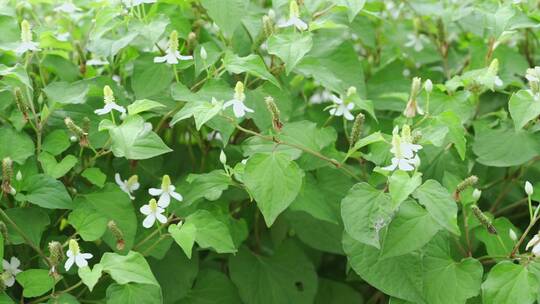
(439, 204)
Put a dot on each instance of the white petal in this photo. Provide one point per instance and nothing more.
(301, 25)
(70, 261)
(536, 250)
(532, 242)
(160, 59)
(238, 110)
(102, 111)
(15, 263)
(336, 100)
(80, 261)
(176, 196)
(9, 281)
(161, 218)
(164, 200)
(149, 221)
(171, 59)
(155, 191)
(5, 264)
(348, 115)
(145, 209)
(286, 23)
(117, 107)
(118, 180)
(404, 165)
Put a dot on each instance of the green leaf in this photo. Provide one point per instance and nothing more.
(274, 180)
(318, 234)
(523, 107)
(285, 277)
(212, 287)
(497, 147)
(210, 232)
(334, 292)
(252, 64)
(201, 111)
(89, 223)
(134, 294)
(149, 79)
(90, 277)
(439, 204)
(31, 220)
(290, 47)
(311, 199)
(66, 92)
(410, 230)
(184, 235)
(56, 142)
(56, 169)
(353, 7)
(20, 148)
(492, 242)
(227, 14)
(509, 283)
(143, 105)
(134, 139)
(46, 192)
(113, 204)
(365, 211)
(130, 268)
(209, 186)
(35, 282)
(95, 176)
(401, 185)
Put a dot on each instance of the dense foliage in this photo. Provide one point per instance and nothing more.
(236, 151)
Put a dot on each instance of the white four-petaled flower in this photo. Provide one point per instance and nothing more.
(11, 269)
(239, 108)
(165, 193)
(129, 185)
(341, 108)
(172, 55)
(75, 256)
(404, 150)
(294, 18)
(534, 243)
(110, 104)
(26, 39)
(153, 212)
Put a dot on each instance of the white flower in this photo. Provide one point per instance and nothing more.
(11, 269)
(96, 61)
(128, 186)
(498, 81)
(152, 212)
(26, 39)
(416, 41)
(528, 188)
(75, 256)
(404, 150)
(131, 3)
(110, 104)
(512, 234)
(320, 97)
(239, 108)
(535, 244)
(172, 55)
(165, 193)
(67, 7)
(294, 18)
(340, 108)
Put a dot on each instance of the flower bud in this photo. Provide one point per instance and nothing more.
(415, 86)
(476, 194)
(356, 129)
(222, 157)
(73, 138)
(118, 235)
(268, 26)
(203, 53)
(7, 175)
(26, 31)
(274, 111)
(412, 106)
(483, 219)
(428, 86)
(468, 182)
(351, 91)
(512, 234)
(528, 188)
(21, 103)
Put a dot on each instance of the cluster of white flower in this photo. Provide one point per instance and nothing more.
(11, 269)
(343, 106)
(239, 108)
(404, 150)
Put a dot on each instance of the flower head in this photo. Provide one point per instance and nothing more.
(153, 212)
(534, 243)
(128, 186)
(172, 55)
(294, 18)
(239, 108)
(75, 256)
(341, 108)
(26, 39)
(165, 193)
(110, 104)
(11, 269)
(404, 150)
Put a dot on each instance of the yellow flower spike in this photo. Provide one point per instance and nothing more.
(165, 182)
(153, 205)
(239, 91)
(294, 11)
(26, 31)
(132, 180)
(173, 41)
(74, 246)
(108, 95)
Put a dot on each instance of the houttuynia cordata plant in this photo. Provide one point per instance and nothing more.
(270, 151)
